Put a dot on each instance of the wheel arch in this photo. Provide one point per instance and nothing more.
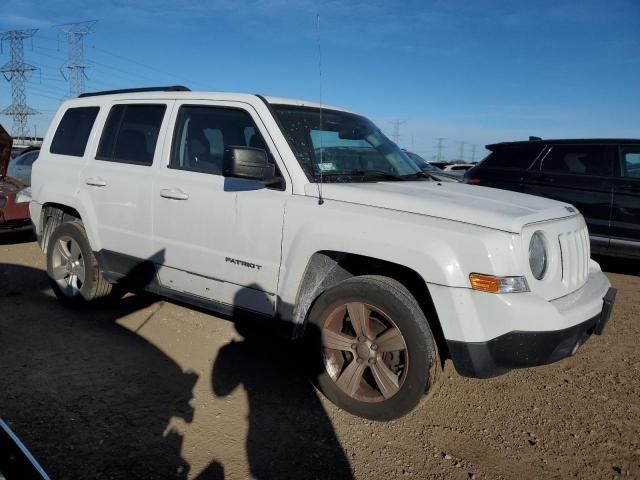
(54, 214)
(327, 268)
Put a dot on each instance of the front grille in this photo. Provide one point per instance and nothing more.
(575, 251)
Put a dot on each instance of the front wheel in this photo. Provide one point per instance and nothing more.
(378, 354)
(74, 273)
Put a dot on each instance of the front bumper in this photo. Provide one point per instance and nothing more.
(518, 349)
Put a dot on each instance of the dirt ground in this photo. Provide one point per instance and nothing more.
(150, 389)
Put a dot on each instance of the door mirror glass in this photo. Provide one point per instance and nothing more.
(248, 163)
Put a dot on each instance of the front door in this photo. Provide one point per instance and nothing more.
(220, 238)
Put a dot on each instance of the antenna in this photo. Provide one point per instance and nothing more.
(320, 199)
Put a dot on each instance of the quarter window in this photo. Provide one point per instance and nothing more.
(131, 134)
(632, 164)
(513, 156)
(73, 131)
(579, 160)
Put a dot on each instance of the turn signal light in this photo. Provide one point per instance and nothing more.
(493, 284)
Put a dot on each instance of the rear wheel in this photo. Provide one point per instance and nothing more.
(379, 357)
(74, 273)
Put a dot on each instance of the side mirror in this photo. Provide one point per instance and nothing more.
(247, 162)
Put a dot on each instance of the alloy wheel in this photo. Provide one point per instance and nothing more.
(68, 267)
(364, 351)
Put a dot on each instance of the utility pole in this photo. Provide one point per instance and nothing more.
(16, 72)
(462, 144)
(439, 147)
(74, 70)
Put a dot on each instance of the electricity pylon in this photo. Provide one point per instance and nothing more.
(17, 72)
(74, 70)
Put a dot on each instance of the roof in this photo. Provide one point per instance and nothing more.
(568, 141)
(177, 92)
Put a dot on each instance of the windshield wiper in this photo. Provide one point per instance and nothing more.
(373, 174)
(377, 174)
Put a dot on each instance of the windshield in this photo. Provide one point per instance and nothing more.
(344, 148)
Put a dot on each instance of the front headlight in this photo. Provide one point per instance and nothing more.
(24, 195)
(538, 255)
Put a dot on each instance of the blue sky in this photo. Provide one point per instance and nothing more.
(472, 71)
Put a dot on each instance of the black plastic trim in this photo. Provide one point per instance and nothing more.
(172, 88)
(520, 349)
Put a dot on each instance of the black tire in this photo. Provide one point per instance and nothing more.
(421, 361)
(94, 287)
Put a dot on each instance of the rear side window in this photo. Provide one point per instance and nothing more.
(513, 156)
(631, 162)
(579, 160)
(73, 131)
(131, 134)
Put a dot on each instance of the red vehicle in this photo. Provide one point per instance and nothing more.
(14, 195)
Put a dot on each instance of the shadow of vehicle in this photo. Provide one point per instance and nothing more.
(10, 237)
(624, 266)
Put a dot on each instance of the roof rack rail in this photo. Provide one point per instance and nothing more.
(173, 88)
(533, 139)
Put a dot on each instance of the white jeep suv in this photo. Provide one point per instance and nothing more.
(309, 215)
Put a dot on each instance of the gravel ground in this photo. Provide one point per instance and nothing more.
(151, 389)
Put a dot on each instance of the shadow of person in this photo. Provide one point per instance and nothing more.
(289, 433)
(90, 398)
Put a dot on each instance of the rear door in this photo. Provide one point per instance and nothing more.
(625, 221)
(581, 175)
(116, 182)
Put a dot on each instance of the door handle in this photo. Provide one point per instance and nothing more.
(95, 181)
(174, 194)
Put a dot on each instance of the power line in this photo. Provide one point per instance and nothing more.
(140, 64)
(16, 72)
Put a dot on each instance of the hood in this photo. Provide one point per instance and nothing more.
(483, 206)
(6, 142)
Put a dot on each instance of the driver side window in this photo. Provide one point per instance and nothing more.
(203, 133)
